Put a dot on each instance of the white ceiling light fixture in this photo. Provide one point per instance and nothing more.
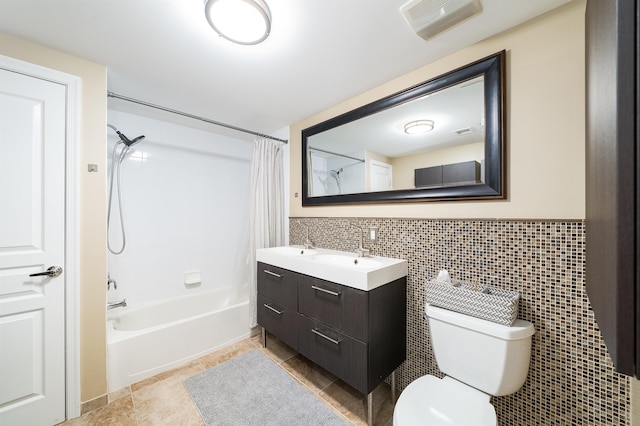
(418, 127)
(240, 21)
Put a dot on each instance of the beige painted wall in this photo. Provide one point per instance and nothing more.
(93, 258)
(545, 125)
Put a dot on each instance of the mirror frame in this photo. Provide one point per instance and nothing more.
(494, 186)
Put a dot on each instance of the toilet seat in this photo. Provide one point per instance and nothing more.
(430, 401)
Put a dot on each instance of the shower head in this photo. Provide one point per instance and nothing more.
(124, 139)
(127, 141)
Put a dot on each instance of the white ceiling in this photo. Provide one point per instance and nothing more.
(451, 109)
(319, 52)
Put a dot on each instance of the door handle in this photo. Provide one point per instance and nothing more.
(52, 271)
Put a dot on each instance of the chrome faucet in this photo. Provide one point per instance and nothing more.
(362, 252)
(308, 244)
(120, 304)
(111, 281)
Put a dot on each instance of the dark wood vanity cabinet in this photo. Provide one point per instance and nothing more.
(613, 177)
(357, 335)
(278, 302)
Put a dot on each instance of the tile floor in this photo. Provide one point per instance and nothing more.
(163, 400)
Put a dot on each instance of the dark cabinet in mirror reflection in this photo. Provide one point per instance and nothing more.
(358, 157)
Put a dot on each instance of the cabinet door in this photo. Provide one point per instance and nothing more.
(334, 351)
(278, 320)
(461, 173)
(280, 285)
(340, 307)
(428, 176)
(612, 227)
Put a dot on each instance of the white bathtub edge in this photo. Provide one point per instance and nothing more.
(135, 378)
(156, 350)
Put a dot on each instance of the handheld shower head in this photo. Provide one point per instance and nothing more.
(127, 141)
(124, 139)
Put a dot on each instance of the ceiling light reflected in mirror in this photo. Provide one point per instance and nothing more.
(418, 127)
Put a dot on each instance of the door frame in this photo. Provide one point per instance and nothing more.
(72, 85)
(380, 164)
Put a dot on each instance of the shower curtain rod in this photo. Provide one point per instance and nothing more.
(195, 117)
(335, 153)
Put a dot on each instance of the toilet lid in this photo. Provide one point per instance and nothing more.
(443, 402)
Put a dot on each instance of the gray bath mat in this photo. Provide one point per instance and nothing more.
(252, 390)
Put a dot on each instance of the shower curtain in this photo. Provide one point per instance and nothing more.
(267, 207)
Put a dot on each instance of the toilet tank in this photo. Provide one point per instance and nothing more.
(487, 356)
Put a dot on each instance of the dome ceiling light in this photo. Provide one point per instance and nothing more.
(240, 21)
(418, 127)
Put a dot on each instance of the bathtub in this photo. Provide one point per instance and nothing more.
(147, 340)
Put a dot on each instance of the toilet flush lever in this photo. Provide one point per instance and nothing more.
(52, 271)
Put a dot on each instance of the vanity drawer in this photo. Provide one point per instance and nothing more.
(337, 306)
(334, 351)
(280, 285)
(278, 320)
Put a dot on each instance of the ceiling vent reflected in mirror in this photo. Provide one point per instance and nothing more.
(464, 131)
(429, 18)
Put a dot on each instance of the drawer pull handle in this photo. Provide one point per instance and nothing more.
(324, 336)
(273, 309)
(324, 290)
(272, 273)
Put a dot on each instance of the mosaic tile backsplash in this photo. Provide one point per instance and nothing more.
(571, 379)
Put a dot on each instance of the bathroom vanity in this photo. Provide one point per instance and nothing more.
(346, 314)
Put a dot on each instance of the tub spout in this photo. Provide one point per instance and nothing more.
(121, 304)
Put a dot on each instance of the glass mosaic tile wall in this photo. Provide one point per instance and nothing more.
(571, 379)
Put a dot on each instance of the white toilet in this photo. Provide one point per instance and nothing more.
(480, 358)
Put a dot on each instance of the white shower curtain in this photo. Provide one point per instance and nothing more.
(267, 207)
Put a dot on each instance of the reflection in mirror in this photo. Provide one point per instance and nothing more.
(439, 140)
(402, 147)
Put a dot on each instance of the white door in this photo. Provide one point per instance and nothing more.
(380, 176)
(32, 233)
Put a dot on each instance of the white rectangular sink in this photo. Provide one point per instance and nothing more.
(364, 273)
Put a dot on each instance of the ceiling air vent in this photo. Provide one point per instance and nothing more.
(463, 131)
(430, 17)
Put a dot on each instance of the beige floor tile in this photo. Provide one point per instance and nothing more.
(256, 340)
(312, 376)
(353, 404)
(162, 400)
(225, 354)
(174, 375)
(120, 393)
(165, 403)
(120, 412)
(276, 350)
(158, 390)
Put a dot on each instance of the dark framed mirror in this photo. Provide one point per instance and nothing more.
(443, 139)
